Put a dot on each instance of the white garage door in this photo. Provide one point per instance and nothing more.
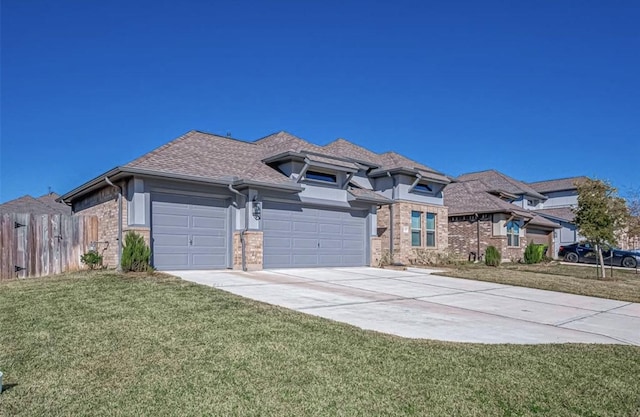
(189, 232)
(296, 236)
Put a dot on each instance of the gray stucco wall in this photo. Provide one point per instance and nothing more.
(561, 199)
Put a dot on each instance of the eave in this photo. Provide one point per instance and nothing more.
(119, 173)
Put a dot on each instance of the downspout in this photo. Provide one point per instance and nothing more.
(478, 236)
(243, 231)
(391, 215)
(119, 266)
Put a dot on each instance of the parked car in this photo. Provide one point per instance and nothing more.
(584, 252)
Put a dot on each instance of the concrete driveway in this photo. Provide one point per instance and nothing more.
(416, 303)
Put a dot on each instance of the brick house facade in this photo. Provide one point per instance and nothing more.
(464, 232)
(192, 199)
(488, 208)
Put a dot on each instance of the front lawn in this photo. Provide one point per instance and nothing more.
(573, 279)
(103, 344)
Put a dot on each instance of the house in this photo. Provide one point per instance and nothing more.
(561, 196)
(489, 208)
(204, 201)
(45, 204)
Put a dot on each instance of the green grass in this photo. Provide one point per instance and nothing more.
(624, 286)
(103, 344)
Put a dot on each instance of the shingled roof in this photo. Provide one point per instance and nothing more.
(45, 204)
(281, 142)
(470, 197)
(217, 159)
(210, 156)
(350, 150)
(497, 181)
(561, 213)
(542, 222)
(560, 184)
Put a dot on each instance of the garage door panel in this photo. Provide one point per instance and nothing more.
(171, 219)
(170, 250)
(275, 242)
(302, 260)
(281, 259)
(172, 259)
(277, 225)
(304, 227)
(162, 239)
(168, 207)
(330, 259)
(209, 222)
(352, 230)
(206, 260)
(302, 243)
(328, 244)
(333, 229)
(351, 260)
(208, 241)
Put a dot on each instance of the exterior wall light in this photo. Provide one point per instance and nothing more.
(257, 210)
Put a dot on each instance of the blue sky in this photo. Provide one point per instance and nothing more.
(535, 89)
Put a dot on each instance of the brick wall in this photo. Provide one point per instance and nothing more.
(403, 251)
(103, 203)
(253, 250)
(463, 239)
(376, 251)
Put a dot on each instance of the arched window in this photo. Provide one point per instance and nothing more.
(513, 233)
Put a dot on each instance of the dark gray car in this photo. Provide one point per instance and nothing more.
(584, 252)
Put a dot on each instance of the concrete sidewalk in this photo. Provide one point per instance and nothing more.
(417, 303)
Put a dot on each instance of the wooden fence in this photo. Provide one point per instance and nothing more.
(33, 245)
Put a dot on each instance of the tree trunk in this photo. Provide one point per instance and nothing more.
(600, 262)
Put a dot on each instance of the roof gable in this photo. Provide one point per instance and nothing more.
(497, 181)
(559, 184)
(470, 197)
(45, 204)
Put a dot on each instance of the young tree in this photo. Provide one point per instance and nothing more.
(600, 215)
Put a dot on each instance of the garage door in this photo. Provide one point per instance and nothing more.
(296, 236)
(189, 232)
(541, 237)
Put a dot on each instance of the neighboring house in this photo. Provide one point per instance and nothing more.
(45, 204)
(561, 198)
(489, 208)
(205, 201)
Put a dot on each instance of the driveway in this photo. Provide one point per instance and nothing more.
(417, 303)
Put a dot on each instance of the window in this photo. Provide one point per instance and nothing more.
(513, 234)
(423, 188)
(431, 229)
(320, 176)
(416, 228)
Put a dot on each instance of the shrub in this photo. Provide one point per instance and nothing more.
(534, 253)
(492, 256)
(542, 251)
(135, 253)
(531, 254)
(92, 259)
